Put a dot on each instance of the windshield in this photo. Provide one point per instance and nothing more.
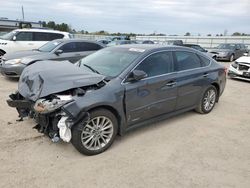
(226, 46)
(8, 36)
(49, 46)
(110, 62)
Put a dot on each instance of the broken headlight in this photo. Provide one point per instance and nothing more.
(48, 106)
(235, 65)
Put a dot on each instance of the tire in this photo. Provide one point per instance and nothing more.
(231, 58)
(206, 104)
(90, 139)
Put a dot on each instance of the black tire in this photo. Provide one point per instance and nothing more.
(201, 106)
(79, 129)
(231, 58)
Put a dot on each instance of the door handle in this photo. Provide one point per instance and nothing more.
(205, 75)
(30, 43)
(171, 84)
(77, 54)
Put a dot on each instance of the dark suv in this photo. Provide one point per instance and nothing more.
(116, 89)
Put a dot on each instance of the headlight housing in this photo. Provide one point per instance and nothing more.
(235, 64)
(13, 61)
(44, 106)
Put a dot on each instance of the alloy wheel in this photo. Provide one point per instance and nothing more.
(209, 99)
(97, 133)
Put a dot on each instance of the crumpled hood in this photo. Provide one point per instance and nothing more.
(21, 54)
(48, 77)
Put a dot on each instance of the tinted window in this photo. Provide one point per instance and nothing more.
(87, 46)
(204, 61)
(24, 36)
(53, 36)
(41, 36)
(187, 60)
(157, 64)
(69, 47)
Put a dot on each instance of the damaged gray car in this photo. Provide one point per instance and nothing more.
(114, 90)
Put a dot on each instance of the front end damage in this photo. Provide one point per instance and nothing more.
(48, 113)
(48, 94)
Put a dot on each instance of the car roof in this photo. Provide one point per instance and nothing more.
(42, 30)
(153, 47)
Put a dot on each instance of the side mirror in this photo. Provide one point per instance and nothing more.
(58, 52)
(136, 75)
(14, 38)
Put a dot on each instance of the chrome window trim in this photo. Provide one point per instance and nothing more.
(123, 81)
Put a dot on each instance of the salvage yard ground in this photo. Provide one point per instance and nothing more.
(189, 150)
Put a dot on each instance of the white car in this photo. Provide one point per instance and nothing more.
(240, 69)
(28, 39)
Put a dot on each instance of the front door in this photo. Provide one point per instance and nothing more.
(155, 94)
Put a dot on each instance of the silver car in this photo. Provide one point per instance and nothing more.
(12, 65)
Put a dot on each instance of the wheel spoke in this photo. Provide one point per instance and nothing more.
(97, 133)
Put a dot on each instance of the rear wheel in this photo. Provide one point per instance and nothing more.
(208, 100)
(96, 135)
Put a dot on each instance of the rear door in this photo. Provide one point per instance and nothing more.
(155, 94)
(192, 77)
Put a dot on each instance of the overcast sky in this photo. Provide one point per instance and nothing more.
(138, 16)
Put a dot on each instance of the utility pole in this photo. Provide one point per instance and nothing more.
(23, 13)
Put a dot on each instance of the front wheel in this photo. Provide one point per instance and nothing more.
(231, 58)
(208, 100)
(97, 134)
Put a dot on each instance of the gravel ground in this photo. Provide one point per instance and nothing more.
(189, 150)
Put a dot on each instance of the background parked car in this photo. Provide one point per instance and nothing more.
(144, 42)
(199, 48)
(59, 50)
(28, 39)
(104, 41)
(240, 69)
(116, 89)
(121, 42)
(173, 42)
(229, 51)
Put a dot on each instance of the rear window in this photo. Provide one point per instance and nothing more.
(204, 61)
(43, 36)
(87, 46)
(187, 60)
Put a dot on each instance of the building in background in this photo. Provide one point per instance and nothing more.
(8, 25)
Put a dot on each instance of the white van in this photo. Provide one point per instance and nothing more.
(28, 39)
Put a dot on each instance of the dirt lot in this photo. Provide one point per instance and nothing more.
(190, 150)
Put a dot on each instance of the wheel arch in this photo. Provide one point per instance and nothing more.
(217, 86)
(2, 51)
(112, 110)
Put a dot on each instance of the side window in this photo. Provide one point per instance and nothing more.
(53, 36)
(238, 47)
(157, 64)
(204, 61)
(24, 36)
(69, 47)
(40, 36)
(87, 46)
(187, 60)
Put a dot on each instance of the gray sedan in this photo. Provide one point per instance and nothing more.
(229, 52)
(72, 50)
